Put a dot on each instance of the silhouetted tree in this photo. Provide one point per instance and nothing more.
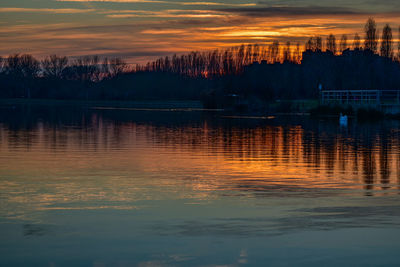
(1, 64)
(54, 66)
(331, 43)
(87, 68)
(117, 67)
(287, 55)
(387, 42)
(274, 52)
(256, 53)
(371, 36)
(310, 44)
(297, 54)
(318, 43)
(240, 57)
(357, 42)
(24, 68)
(13, 65)
(314, 44)
(248, 55)
(398, 46)
(343, 43)
(30, 66)
(105, 67)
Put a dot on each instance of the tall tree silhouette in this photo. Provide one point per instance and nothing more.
(1, 64)
(387, 42)
(356, 42)
(256, 53)
(314, 44)
(343, 43)
(371, 36)
(274, 52)
(54, 66)
(24, 68)
(117, 66)
(398, 46)
(87, 68)
(331, 43)
(297, 54)
(318, 43)
(310, 44)
(287, 55)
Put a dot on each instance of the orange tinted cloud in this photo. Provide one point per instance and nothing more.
(141, 30)
(45, 10)
(194, 3)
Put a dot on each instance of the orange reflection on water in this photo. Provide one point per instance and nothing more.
(263, 154)
(107, 164)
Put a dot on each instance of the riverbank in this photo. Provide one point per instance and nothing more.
(143, 104)
(361, 113)
(306, 107)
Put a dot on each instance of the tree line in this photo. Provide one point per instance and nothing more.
(60, 67)
(279, 70)
(207, 64)
(234, 60)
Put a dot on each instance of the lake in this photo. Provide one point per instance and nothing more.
(98, 186)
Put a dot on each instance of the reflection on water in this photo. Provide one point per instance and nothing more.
(242, 177)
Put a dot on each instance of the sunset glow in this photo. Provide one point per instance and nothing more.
(142, 30)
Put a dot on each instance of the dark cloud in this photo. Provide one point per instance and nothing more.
(290, 11)
(387, 3)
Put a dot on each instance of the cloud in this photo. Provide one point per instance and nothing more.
(164, 31)
(117, 1)
(165, 14)
(140, 35)
(195, 3)
(275, 11)
(45, 10)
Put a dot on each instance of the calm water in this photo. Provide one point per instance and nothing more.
(86, 186)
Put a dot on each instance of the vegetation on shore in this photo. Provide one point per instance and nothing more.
(250, 75)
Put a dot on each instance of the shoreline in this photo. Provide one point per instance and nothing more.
(307, 108)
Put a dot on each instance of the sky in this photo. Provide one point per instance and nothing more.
(142, 30)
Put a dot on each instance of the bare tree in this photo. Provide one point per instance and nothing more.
(30, 65)
(343, 43)
(297, 55)
(274, 52)
(24, 67)
(287, 55)
(387, 42)
(331, 43)
(117, 66)
(318, 43)
(398, 46)
(87, 68)
(54, 66)
(357, 42)
(310, 44)
(256, 53)
(240, 57)
(1, 64)
(248, 55)
(314, 44)
(13, 65)
(371, 36)
(105, 67)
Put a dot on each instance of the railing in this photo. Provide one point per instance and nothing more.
(361, 97)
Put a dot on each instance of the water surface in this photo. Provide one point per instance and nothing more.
(87, 186)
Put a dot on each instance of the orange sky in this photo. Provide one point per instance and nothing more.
(141, 30)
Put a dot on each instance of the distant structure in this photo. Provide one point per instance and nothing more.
(387, 101)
